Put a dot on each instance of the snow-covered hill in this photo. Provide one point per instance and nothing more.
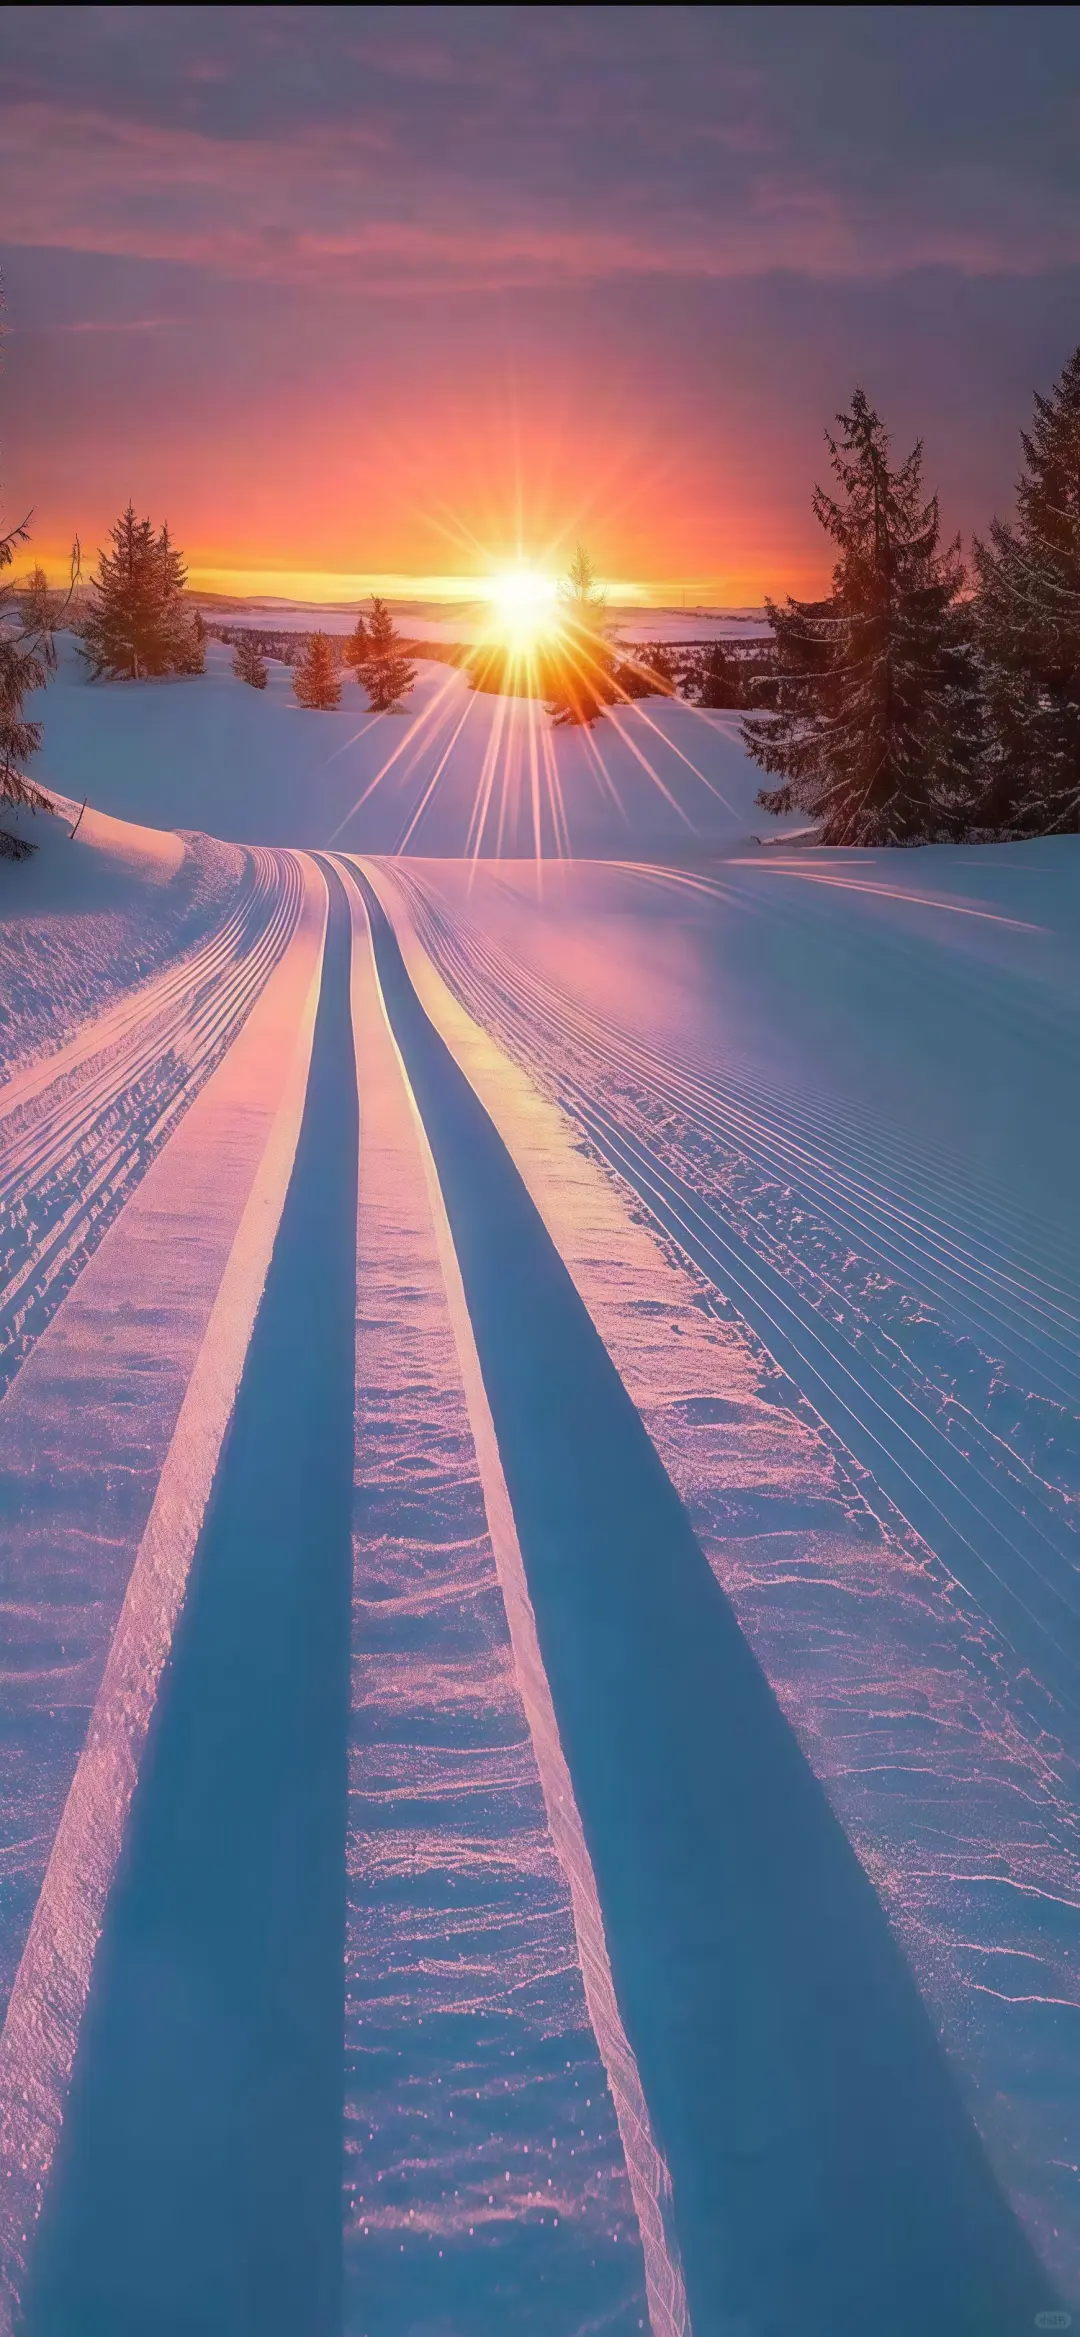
(457, 772)
(103, 905)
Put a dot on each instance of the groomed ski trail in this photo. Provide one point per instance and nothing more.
(824, 2174)
(968, 1494)
(79, 1129)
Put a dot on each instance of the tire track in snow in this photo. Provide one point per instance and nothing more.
(197, 2182)
(824, 2175)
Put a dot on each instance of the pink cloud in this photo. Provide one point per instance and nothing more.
(340, 203)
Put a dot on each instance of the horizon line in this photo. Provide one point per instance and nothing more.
(330, 588)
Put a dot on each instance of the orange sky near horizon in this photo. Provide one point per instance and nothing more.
(393, 298)
(434, 507)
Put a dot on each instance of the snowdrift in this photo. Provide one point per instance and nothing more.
(103, 904)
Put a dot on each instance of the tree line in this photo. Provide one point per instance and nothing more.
(373, 652)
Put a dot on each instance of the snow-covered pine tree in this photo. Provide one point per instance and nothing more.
(1028, 623)
(877, 729)
(139, 623)
(582, 663)
(356, 649)
(316, 679)
(715, 680)
(249, 664)
(388, 675)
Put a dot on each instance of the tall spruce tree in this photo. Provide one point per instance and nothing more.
(316, 679)
(249, 664)
(877, 728)
(387, 673)
(581, 664)
(1028, 617)
(139, 622)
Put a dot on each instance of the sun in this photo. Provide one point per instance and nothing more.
(523, 605)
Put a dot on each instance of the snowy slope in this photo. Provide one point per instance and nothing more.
(101, 906)
(795, 1134)
(456, 772)
(846, 1090)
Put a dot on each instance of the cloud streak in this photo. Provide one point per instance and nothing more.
(424, 149)
(354, 289)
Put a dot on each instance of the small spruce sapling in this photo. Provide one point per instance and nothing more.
(356, 649)
(249, 664)
(388, 675)
(316, 679)
(581, 662)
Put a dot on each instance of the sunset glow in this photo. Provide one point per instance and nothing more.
(524, 605)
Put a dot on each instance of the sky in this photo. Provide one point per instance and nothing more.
(409, 294)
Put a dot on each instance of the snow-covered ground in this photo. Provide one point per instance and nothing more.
(102, 906)
(472, 620)
(695, 1849)
(457, 771)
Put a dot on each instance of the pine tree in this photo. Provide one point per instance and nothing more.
(388, 674)
(582, 664)
(26, 656)
(316, 680)
(39, 612)
(249, 664)
(183, 632)
(1028, 619)
(877, 728)
(356, 650)
(139, 622)
(715, 680)
(28, 618)
(652, 673)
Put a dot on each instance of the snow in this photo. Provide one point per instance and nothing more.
(707, 1039)
(476, 2103)
(458, 771)
(111, 1433)
(795, 1133)
(471, 620)
(94, 912)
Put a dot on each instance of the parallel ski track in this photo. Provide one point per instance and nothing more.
(984, 1512)
(121, 1088)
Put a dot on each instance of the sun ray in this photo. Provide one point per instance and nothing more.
(425, 717)
(436, 776)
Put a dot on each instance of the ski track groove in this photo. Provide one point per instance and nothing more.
(1020, 1564)
(136, 1069)
(522, 1312)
